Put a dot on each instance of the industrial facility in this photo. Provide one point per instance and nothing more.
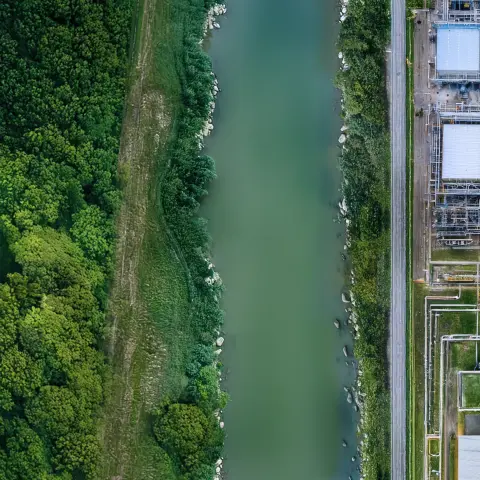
(460, 10)
(455, 174)
(458, 53)
(454, 121)
(468, 457)
(446, 234)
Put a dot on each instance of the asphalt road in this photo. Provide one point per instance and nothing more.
(398, 242)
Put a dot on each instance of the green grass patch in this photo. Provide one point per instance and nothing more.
(460, 255)
(410, 311)
(417, 383)
(471, 390)
(463, 355)
(419, 3)
(157, 327)
(452, 453)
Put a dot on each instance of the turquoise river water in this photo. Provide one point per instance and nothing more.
(271, 214)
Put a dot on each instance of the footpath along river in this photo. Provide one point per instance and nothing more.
(276, 245)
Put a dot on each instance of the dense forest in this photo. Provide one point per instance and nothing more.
(365, 162)
(63, 65)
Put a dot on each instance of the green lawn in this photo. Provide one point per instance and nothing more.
(463, 356)
(417, 384)
(460, 255)
(471, 390)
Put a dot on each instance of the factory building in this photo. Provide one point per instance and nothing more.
(455, 174)
(469, 457)
(457, 57)
(461, 152)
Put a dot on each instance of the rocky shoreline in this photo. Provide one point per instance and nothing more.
(211, 23)
(354, 394)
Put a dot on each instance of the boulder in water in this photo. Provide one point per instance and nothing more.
(345, 351)
(220, 341)
(337, 323)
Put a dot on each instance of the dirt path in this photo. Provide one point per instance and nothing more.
(134, 339)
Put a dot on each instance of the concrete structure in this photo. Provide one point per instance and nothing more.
(461, 152)
(469, 457)
(458, 50)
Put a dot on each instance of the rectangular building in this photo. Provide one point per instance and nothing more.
(469, 457)
(461, 152)
(458, 51)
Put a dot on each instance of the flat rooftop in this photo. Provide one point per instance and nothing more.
(458, 50)
(469, 457)
(461, 152)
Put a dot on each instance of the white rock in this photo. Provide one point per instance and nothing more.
(342, 138)
(218, 352)
(220, 341)
(218, 470)
(340, 55)
(222, 424)
(219, 462)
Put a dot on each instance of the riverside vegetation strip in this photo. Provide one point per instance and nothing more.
(365, 163)
(167, 323)
(62, 90)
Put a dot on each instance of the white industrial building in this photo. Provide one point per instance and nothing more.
(461, 152)
(458, 54)
(469, 457)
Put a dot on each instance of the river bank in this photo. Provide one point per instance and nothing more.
(365, 161)
(163, 405)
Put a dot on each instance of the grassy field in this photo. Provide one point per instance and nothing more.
(417, 384)
(471, 390)
(149, 311)
(460, 255)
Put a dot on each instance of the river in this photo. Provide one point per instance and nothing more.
(276, 246)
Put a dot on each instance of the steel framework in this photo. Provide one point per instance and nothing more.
(455, 204)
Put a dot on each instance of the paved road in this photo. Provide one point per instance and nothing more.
(398, 231)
